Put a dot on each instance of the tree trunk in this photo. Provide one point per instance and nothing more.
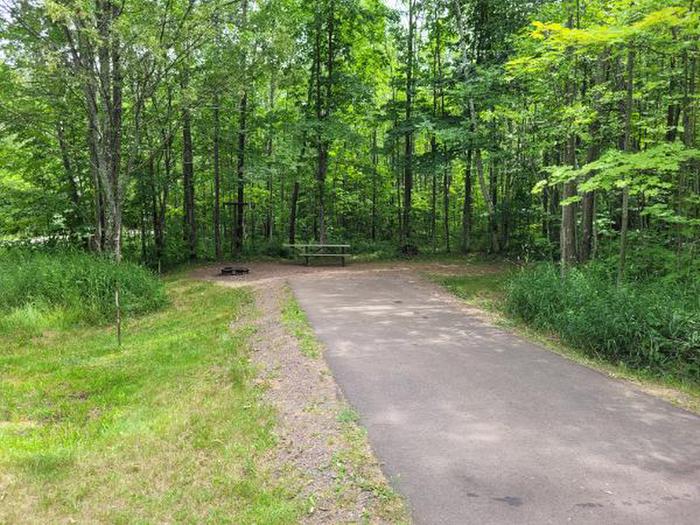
(242, 136)
(155, 213)
(188, 184)
(689, 99)
(293, 213)
(324, 105)
(115, 235)
(628, 146)
(588, 201)
(240, 172)
(494, 247)
(270, 215)
(98, 239)
(568, 227)
(103, 99)
(102, 91)
(217, 180)
(161, 188)
(624, 224)
(673, 111)
(467, 205)
(588, 207)
(436, 79)
(408, 135)
(567, 243)
(375, 174)
(494, 226)
(321, 190)
(568, 214)
(447, 182)
(553, 225)
(488, 200)
(433, 193)
(587, 229)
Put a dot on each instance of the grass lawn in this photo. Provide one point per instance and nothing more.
(167, 428)
(484, 290)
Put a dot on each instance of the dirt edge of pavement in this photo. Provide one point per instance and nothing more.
(321, 452)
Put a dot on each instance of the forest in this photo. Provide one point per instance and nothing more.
(175, 130)
(565, 132)
(537, 159)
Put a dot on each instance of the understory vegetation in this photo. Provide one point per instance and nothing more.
(45, 286)
(650, 326)
(169, 131)
(548, 130)
(167, 428)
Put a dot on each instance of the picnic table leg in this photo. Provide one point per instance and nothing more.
(307, 260)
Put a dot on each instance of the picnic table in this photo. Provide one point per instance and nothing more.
(309, 251)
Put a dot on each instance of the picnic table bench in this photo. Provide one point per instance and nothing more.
(308, 251)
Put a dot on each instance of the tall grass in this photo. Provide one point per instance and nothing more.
(652, 325)
(72, 285)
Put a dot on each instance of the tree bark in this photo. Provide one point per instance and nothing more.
(568, 213)
(587, 229)
(217, 180)
(467, 205)
(433, 193)
(494, 246)
(488, 200)
(188, 184)
(447, 183)
(408, 135)
(588, 201)
(375, 175)
(494, 225)
(293, 213)
(115, 233)
(98, 236)
(240, 173)
(588, 206)
(242, 136)
(270, 215)
(567, 244)
(324, 105)
(73, 192)
(155, 213)
(628, 146)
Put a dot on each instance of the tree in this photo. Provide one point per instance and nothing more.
(547, 129)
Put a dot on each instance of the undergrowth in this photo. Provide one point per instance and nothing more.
(651, 325)
(48, 288)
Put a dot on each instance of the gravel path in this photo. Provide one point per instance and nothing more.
(324, 458)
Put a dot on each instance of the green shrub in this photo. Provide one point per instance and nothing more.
(653, 325)
(80, 284)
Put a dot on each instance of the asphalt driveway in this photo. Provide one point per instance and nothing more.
(475, 425)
